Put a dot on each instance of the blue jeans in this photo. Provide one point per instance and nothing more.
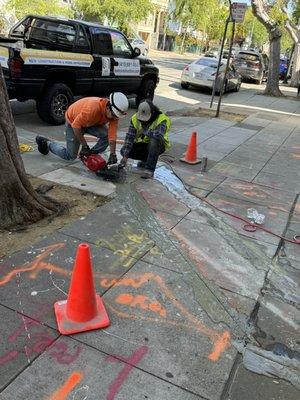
(147, 152)
(70, 152)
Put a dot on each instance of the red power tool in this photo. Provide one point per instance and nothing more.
(97, 164)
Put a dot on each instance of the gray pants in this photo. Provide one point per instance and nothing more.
(70, 152)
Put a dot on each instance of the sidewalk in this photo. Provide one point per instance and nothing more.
(200, 308)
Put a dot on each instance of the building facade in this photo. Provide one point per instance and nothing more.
(152, 29)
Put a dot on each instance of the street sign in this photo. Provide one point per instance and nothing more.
(238, 11)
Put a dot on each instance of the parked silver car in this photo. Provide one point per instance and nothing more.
(202, 73)
(138, 43)
(252, 65)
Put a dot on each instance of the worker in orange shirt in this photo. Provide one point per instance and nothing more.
(89, 115)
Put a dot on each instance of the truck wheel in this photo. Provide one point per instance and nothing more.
(146, 91)
(53, 103)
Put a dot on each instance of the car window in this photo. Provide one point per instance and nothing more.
(120, 45)
(53, 32)
(248, 56)
(207, 63)
(102, 42)
(82, 41)
(21, 29)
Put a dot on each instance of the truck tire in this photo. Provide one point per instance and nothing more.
(53, 103)
(146, 91)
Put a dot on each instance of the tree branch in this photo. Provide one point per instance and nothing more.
(259, 8)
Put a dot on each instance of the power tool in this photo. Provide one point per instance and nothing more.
(97, 164)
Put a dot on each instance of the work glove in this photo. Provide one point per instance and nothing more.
(112, 159)
(85, 151)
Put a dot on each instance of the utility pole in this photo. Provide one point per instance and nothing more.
(228, 61)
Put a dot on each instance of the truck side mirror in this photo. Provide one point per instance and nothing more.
(136, 52)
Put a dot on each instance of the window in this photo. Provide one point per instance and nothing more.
(248, 56)
(208, 63)
(120, 45)
(53, 32)
(102, 42)
(82, 41)
(21, 29)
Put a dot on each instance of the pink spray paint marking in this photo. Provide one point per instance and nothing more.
(10, 355)
(121, 378)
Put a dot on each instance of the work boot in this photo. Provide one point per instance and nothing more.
(141, 164)
(147, 174)
(42, 143)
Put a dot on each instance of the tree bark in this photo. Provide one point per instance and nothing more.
(294, 32)
(19, 203)
(260, 8)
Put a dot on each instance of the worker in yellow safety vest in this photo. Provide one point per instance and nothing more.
(147, 138)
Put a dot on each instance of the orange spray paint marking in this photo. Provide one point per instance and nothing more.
(38, 264)
(220, 340)
(63, 392)
(142, 302)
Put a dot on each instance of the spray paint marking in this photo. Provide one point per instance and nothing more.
(130, 363)
(220, 340)
(23, 319)
(127, 244)
(63, 392)
(9, 356)
(142, 302)
(38, 264)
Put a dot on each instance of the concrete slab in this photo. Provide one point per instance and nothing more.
(244, 161)
(255, 152)
(156, 307)
(37, 164)
(159, 199)
(80, 179)
(39, 276)
(124, 238)
(236, 171)
(205, 181)
(276, 182)
(93, 375)
(220, 264)
(275, 220)
(254, 120)
(246, 384)
(257, 194)
(22, 340)
(277, 322)
(168, 220)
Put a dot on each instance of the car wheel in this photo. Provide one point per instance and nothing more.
(146, 91)
(259, 81)
(185, 85)
(53, 103)
(237, 87)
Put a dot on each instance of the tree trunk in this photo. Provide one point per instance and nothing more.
(183, 42)
(260, 10)
(294, 31)
(19, 203)
(295, 79)
(272, 87)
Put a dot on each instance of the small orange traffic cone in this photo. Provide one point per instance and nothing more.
(84, 309)
(190, 156)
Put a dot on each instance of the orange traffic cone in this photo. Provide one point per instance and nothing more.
(190, 156)
(84, 309)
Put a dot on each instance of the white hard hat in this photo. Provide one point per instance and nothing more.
(119, 104)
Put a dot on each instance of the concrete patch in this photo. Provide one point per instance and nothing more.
(92, 375)
(157, 308)
(206, 181)
(76, 178)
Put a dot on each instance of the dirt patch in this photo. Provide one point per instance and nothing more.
(80, 203)
(204, 112)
